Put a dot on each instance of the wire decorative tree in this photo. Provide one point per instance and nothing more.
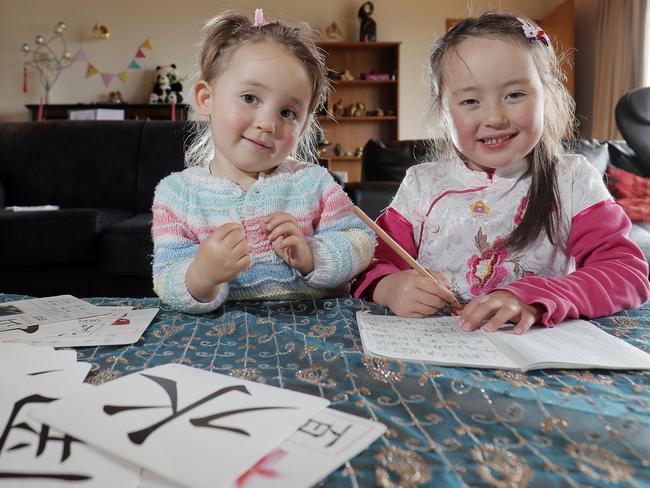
(43, 58)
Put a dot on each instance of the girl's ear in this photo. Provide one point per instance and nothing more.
(203, 98)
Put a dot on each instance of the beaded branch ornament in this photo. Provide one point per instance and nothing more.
(532, 32)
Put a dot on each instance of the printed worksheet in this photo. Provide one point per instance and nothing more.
(121, 325)
(34, 455)
(194, 427)
(39, 311)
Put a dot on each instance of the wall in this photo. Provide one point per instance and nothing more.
(173, 29)
(585, 69)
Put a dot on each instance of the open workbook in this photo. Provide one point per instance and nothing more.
(574, 344)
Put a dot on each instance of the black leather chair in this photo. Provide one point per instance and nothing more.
(633, 121)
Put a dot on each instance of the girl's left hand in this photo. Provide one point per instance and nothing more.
(491, 312)
(288, 241)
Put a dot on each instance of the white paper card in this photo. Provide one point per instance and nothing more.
(194, 427)
(117, 328)
(34, 455)
(39, 311)
(317, 448)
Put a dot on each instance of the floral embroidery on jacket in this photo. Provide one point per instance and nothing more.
(486, 269)
(521, 210)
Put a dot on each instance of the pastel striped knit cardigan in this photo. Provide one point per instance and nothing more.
(190, 205)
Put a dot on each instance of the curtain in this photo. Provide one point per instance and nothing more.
(620, 51)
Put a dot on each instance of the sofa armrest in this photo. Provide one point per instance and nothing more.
(372, 196)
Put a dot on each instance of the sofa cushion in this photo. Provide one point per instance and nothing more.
(72, 164)
(389, 161)
(65, 236)
(595, 152)
(127, 247)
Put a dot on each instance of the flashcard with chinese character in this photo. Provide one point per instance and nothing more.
(34, 455)
(318, 447)
(194, 427)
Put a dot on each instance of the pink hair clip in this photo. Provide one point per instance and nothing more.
(259, 18)
(532, 32)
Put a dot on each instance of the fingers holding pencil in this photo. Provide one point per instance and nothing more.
(444, 291)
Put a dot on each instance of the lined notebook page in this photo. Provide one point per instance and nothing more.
(432, 339)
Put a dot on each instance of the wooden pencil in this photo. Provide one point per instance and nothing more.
(395, 246)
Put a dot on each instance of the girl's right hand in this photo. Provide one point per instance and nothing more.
(221, 256)
(409, 294)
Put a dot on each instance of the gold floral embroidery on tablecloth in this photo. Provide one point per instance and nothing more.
(322, 331)
(166, 330)
(520, 379)
(222, 329)
(381, 369)
(316, 375)
(600, 463)
(103, 377)
(407, 466)
(511, 470)
(251, 374)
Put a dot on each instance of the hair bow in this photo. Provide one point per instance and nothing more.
(259, 18)
(532, 32)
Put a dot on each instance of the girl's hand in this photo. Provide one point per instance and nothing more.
(289, 242)
(496, 309)
(221, 256)
(409, 294)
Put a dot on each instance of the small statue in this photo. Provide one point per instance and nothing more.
(368, 29)
(333, 31)
(347, 76)
(337, 109)
(339, 151)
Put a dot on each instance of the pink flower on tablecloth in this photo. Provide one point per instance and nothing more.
(521, 210)
(486, 269)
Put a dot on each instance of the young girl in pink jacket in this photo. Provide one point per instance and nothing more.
(515, 228)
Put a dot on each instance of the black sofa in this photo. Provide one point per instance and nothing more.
(102, 175)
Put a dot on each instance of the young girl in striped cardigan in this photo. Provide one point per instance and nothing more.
(245, 220)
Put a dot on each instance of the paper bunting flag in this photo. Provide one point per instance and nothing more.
(91, 70)
(80, 56)
(107, 78)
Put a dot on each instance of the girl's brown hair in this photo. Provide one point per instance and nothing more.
(222, 36)
(543, 198)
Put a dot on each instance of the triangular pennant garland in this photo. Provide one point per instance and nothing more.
(91, 70)
(80, 56)
(107, 78)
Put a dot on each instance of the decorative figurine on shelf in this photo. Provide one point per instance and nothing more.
(115, 97)
(339, 150)
(357, 109)
(321, 142)
(347, 76)
(167, 88)
(368, 28)
(43, 58)
(337, 109)
(333, 31)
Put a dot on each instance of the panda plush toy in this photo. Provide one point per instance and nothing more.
(167, 87)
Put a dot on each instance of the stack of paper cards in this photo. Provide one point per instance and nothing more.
(32, 454)
(66, 321)
(189, 427)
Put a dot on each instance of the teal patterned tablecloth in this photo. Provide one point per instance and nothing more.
(446, 426)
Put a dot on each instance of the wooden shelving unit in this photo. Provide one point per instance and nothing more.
(353, 132)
